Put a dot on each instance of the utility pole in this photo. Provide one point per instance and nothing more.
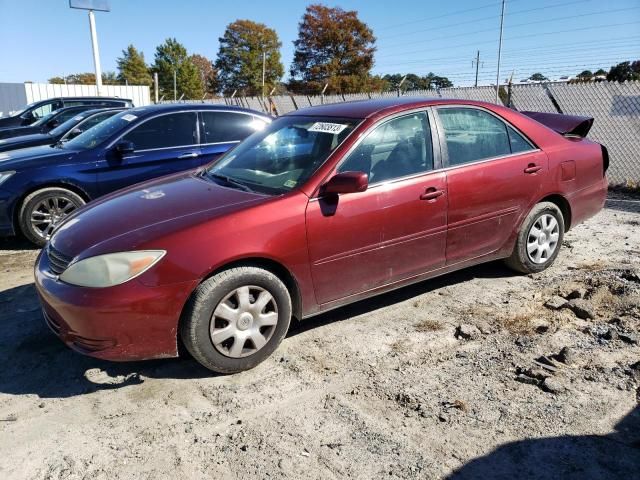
(155, 85)
(100, 6)
(264, 69)
(175, 90)
(500, 52)
(400, 85)
(477, 62)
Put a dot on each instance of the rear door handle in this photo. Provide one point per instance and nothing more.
(189, 155)
(532, 168)
(431, 194)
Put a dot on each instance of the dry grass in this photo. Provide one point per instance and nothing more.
(428, 325)
(594, 266)
(401, 346)
(521, 323)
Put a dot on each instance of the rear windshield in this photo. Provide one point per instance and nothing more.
(282, 156)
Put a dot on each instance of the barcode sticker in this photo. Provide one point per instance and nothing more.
(326, 127)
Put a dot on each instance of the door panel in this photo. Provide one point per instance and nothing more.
(497, 175)
(395, 229)
(165, 144)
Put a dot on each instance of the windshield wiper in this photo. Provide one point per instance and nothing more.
(229, 181)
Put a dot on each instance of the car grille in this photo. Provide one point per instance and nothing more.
(58, 261)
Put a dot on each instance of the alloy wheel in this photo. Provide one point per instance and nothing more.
(49, 212)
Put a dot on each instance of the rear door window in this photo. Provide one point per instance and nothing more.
(46, 109)
(472, 135)
(164, 131)
(221, 127)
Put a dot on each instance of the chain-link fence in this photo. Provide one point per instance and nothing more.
(614, 106)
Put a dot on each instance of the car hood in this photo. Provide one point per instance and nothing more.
(33, 157)
(24, 141)
(145, 212)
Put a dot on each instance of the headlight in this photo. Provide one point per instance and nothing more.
(110, 269)
(4, 176)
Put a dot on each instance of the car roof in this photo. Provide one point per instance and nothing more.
(369, 108)
(174, 107)
(86, 98)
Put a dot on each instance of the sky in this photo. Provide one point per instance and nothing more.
(45, 38)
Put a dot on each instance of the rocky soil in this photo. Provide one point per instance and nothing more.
(477, 374)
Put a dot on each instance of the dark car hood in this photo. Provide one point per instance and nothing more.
(122, 220)
(33, 157)
(24, 141)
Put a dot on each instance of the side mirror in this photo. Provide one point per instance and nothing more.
(73, 133)
(346, 182)
(125, 147)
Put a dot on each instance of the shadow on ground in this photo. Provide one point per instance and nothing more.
(36, 362)
(584, 457)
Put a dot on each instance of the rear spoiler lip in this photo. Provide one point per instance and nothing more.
(568, 125)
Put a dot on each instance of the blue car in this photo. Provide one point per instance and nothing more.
(40, 186)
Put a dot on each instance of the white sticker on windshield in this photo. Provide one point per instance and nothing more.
(4, 156)
(78, 117)
(325, 127)
(128, 117)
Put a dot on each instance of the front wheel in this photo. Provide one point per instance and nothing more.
(236, 319)
(539, 239)
(44, 209)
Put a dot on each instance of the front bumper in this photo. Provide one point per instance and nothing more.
(7, 201)
(126, 322)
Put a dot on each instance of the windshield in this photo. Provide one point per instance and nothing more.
(282, 156)
(66, 126)
(43, 120)
(101, 132)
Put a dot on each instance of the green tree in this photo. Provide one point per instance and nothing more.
(600, 71)
(86, 78)
(172, 57)
(208, 75)
(624, 72)
(538, 77)
(334, 46)
(56, 80)
(132, 68)
(240, 58)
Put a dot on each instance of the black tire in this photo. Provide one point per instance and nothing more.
(199, 311)
(520, 260)
(66, 198)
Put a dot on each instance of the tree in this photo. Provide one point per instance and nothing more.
(600, 72)
(624, 72)
(172, 57)
(87, 78)
(415, 82)
(538, 77)
(208, 75)
(132, 68)
(240, 58)
(333, 47)
(585, 76)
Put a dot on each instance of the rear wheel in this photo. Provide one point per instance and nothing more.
(236, 319)
(539, 239)
(44, 209)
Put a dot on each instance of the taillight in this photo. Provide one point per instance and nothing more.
(605, 159)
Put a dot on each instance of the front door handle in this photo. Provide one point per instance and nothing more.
(189, 155)
(431, 194)
(532, 168)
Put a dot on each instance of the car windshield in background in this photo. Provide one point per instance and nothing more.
(283, 155)
(101, 132)
(43, 120)
(65, 126)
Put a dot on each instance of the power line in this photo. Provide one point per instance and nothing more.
(539, 34)
(476, 20)
(545, 21)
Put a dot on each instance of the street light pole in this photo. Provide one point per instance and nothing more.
(500, 52)
(175, 91)
(96, 52)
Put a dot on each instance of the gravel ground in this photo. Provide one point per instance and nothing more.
(477, 374)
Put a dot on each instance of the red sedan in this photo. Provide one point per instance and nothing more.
(324, 207)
